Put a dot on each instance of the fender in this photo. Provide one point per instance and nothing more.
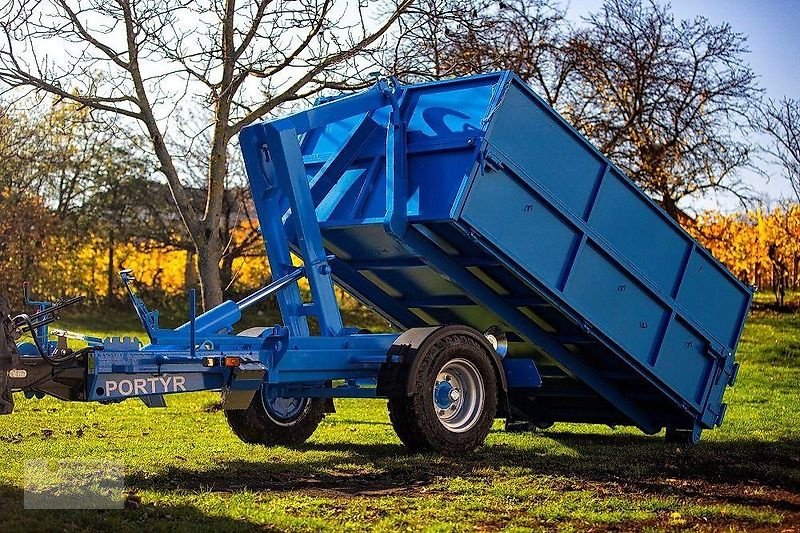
(401, 360)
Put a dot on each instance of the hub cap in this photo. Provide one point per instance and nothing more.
(458, 395)
(286, 411)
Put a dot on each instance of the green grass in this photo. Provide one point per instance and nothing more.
(193, 474)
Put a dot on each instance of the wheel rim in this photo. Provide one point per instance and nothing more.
(286, 411)
(458, 395)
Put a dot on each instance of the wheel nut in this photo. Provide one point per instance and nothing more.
(455, 395)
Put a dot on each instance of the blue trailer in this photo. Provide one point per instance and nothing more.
(531, 281)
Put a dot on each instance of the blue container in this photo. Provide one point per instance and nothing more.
(514, 219)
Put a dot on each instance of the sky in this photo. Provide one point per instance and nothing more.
(772, 36)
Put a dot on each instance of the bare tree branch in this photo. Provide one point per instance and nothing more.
(233, 60)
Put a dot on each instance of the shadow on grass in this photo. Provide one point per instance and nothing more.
(642, 464)
(336, 421)
(607, 464)
(149, 517)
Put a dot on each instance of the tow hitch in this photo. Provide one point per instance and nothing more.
(50, 367)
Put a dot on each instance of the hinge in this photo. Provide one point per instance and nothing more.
(490, 163)
(727, 366)
(721, 416)
(717, 350)
(733, 374)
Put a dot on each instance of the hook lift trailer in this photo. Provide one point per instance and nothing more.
(531, 279)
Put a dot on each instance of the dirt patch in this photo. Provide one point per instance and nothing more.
(750, 495)
(213, 407)
(783, 501)
(670, 522)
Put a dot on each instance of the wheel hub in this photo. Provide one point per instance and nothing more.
(285, 411)
(458, 395)
(445, 395)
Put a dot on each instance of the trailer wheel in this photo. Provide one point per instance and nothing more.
(454, 398)
(277, 421)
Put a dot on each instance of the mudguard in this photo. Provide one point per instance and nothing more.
(401, 360)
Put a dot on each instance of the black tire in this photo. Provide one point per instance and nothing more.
(415, 417)
(401, 422)
(255, 425)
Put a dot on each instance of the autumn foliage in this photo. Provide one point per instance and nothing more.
(25, 227)
(65, 263)
(760, 246)
(35, 247)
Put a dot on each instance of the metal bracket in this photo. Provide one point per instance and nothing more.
(149, 319)
(490, 163)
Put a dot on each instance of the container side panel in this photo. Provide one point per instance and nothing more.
(684, 362)
(636, 230)
(708, 294)
(615, 303)
(549, 152)
(520, 225)
(331, 138)
(433, 177)
(436, 111)
(436, 176)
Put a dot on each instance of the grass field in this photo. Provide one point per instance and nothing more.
(193, 474)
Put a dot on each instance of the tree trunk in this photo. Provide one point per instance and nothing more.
(226, 270)
(209, 254)
(190, 271)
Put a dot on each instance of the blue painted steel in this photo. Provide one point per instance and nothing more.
(466, 201)
(306, 363)
(522, 373)
(192, 322)
(42, 332)
(441, 394)
(471, 201)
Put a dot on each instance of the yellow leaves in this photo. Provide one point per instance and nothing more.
(25, 223)
(676, 519)
(89, 266)
(753, 243)
(250, 272)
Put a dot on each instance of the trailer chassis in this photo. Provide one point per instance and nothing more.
(285, 364)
